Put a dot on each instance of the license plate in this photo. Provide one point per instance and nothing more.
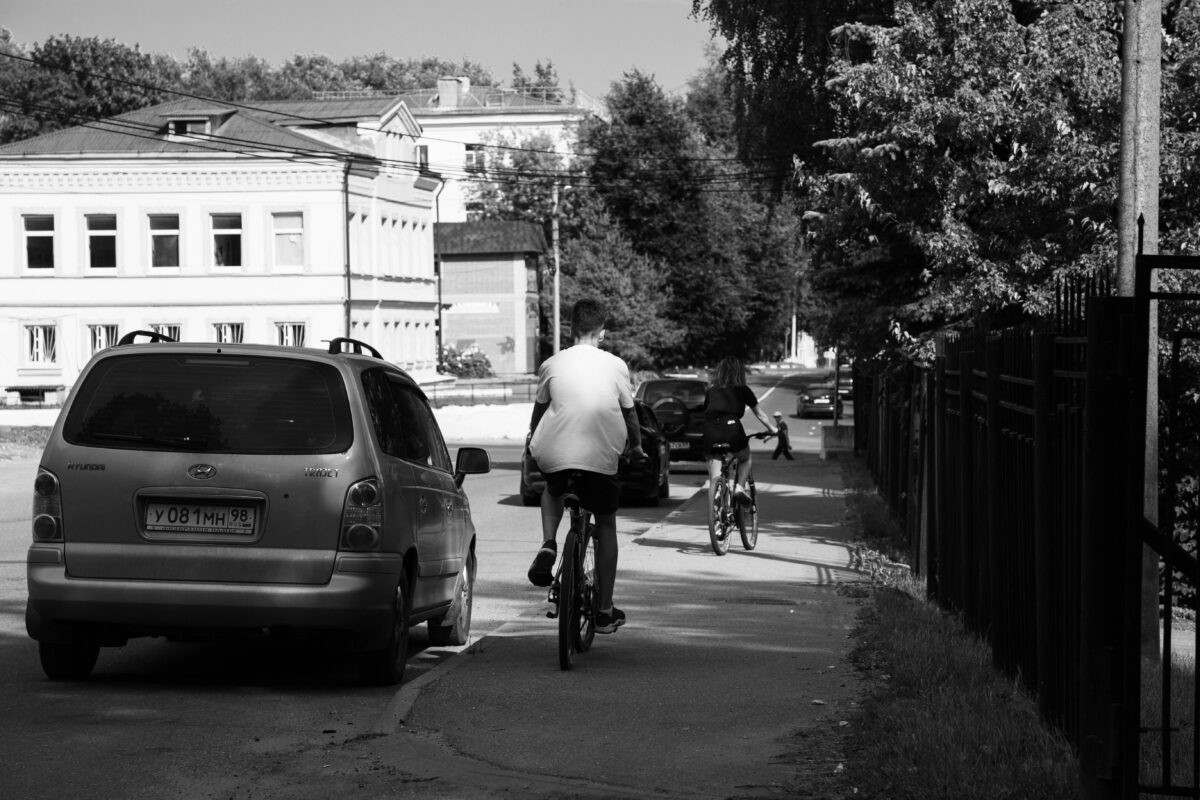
(182, 518)
(680, 445)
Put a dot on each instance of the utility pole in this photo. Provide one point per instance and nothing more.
(554, 246)
(1137, 199)
(1107, 770)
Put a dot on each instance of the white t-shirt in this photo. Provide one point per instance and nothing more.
(584, 427)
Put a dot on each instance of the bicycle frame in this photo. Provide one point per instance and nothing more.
(724, 513)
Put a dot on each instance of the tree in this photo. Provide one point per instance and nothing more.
(70, 80)
(235, 80)
(602, 264)
(543, 84)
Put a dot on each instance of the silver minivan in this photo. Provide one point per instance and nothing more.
(200, 489)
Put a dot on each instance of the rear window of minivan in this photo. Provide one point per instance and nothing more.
(211, 403)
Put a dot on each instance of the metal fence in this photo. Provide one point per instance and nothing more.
(1017, 464)
(981, 457)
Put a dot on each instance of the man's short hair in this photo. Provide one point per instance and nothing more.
(587, 317)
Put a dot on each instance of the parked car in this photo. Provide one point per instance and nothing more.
(199, 489)
(646, 482)
(818, 401)
(676, 402)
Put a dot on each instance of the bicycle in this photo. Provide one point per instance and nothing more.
(574, 592)
(723, 512)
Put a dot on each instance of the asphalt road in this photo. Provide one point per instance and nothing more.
(164, 720)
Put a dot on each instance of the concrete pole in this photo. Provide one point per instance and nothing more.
(557, 296)
(1141, 97)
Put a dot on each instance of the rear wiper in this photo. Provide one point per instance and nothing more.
(182, 442)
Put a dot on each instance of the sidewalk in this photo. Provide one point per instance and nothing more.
(730, 678)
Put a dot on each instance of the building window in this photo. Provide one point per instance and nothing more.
(289, 239)
(228, 332)
(188, 127)
(41, 344)
(39, 241)
(290, 334)
(475, 160)
(423, 156)
(164, 240)
(167, 329)
(102, 337)
(227, 240)
(102, 240)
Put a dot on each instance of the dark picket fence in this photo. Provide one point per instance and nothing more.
(1016, 463)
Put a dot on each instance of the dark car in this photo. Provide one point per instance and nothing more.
(818, 401)
(646, 482)
(677, 402)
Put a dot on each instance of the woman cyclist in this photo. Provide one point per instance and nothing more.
(725, 402)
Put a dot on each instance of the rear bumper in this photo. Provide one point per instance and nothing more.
(356, 603)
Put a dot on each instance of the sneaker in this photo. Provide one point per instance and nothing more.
(609, 622)
(740, 494)
(541, 571)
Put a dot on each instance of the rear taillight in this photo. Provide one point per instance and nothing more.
(47, 508)
(362, 516)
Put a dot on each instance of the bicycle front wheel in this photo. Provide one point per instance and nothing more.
(718, 517)
(568, 601)
(747, 518)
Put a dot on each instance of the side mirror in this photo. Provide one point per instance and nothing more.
(471, 461)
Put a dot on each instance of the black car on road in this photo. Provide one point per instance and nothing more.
(677, 403)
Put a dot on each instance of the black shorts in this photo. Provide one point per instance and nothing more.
(724, 430)
(600, 494)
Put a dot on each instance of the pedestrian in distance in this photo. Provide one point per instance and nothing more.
(784, 445)
(584, 419)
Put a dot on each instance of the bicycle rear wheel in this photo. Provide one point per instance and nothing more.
(568, 601)
(585, 624)
(718, 517)
(747, 518)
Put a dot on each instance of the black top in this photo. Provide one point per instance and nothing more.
(728, 401)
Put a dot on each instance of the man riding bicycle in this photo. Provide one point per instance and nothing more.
(584, 419)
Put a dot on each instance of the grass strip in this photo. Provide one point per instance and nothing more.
(938, 720)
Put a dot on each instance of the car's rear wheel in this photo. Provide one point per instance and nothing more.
(68, 661)
(385, 666)
(459, 631)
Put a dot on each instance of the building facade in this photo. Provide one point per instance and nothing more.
(286, 222)
(490, 290)
(460, 122)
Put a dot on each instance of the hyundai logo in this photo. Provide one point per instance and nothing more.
(202, 472)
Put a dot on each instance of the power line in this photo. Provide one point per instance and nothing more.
(315, 120)
(249, 148)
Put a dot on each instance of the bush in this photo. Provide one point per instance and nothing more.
(470, 362)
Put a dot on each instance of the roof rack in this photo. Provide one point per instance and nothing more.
(153, 336)
(335, 346)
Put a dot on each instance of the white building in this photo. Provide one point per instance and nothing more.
(460, 122)
(285, 222)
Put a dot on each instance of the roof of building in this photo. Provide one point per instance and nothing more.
(487, 237)
(252, 126)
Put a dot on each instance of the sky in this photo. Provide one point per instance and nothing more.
(590, 42)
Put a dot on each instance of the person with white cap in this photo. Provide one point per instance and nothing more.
(783, 446)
